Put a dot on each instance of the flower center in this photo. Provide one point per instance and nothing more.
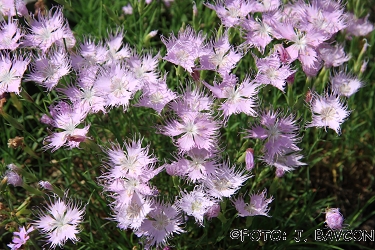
(328, 114)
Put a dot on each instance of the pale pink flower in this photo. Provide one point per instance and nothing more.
(334, 219)
(345, 84)
(162, 222)
(195, 203)
(156, 95)
(132, 214)
(358, 26)
(192, 100)
(127, 9)
(328, 111)
(197, 130)
(117, 85)
(272, 71)
(279, 132)
(144, 68)
(11, 8)
(11, 72)
(231, 12)
(285, 162)
(10, 34)
(258, 32)
(117, 50)
(213, 211)
(258, 205)
(46, 30)
(333, 56)
(220, 56)
(133, 161)
(48, 68)
(89, 55)
(20, 238)
(60, 222)
(184, 49)
(67, 117)
(225, 181)
(239, 98)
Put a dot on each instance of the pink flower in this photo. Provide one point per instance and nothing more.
(185, 49)
(225, 181)
(156, 95)
(13, 8)
(10, 34)
(195, 203)
(240, 98)
(116, 85)
(231, 12)
(345, 84)
(117, 50)
(127, 9)
(213, 211)
(197, 130)
(328, 111)
(334, 219)
(258, 205)
(258, 32)
(60, 221)
(333, 56)
(358, 26)
(272, 71)
(67, 118)
(11, 72)
(131, 162)
(162, 222)
(220, 56)
(46, 30)
(48, 68)
(192, 100)
(144, 68)
(279, 132)
(89, 55)
(20, 238)
(285, 162)
(132, 214)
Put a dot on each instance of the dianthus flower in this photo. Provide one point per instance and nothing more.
(48, 68)
(11, 72)
(225, 181)
(195, 203)
(20, 238)
(334, 219)
(239, 98)
(197, 129)
(162, 222)
(46, 30)
(328, 111)
(333, 56)
(272, 71)
(258, 205)
(345, 84)
(132, 214)
(231, 12)
(358, 26)
(220, 56)
(185, 49)
(280, 133)
(10, 34)
(156, 95)
(60, 221)
(67, 117)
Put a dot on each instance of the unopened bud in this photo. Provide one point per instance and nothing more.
(249, 159)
